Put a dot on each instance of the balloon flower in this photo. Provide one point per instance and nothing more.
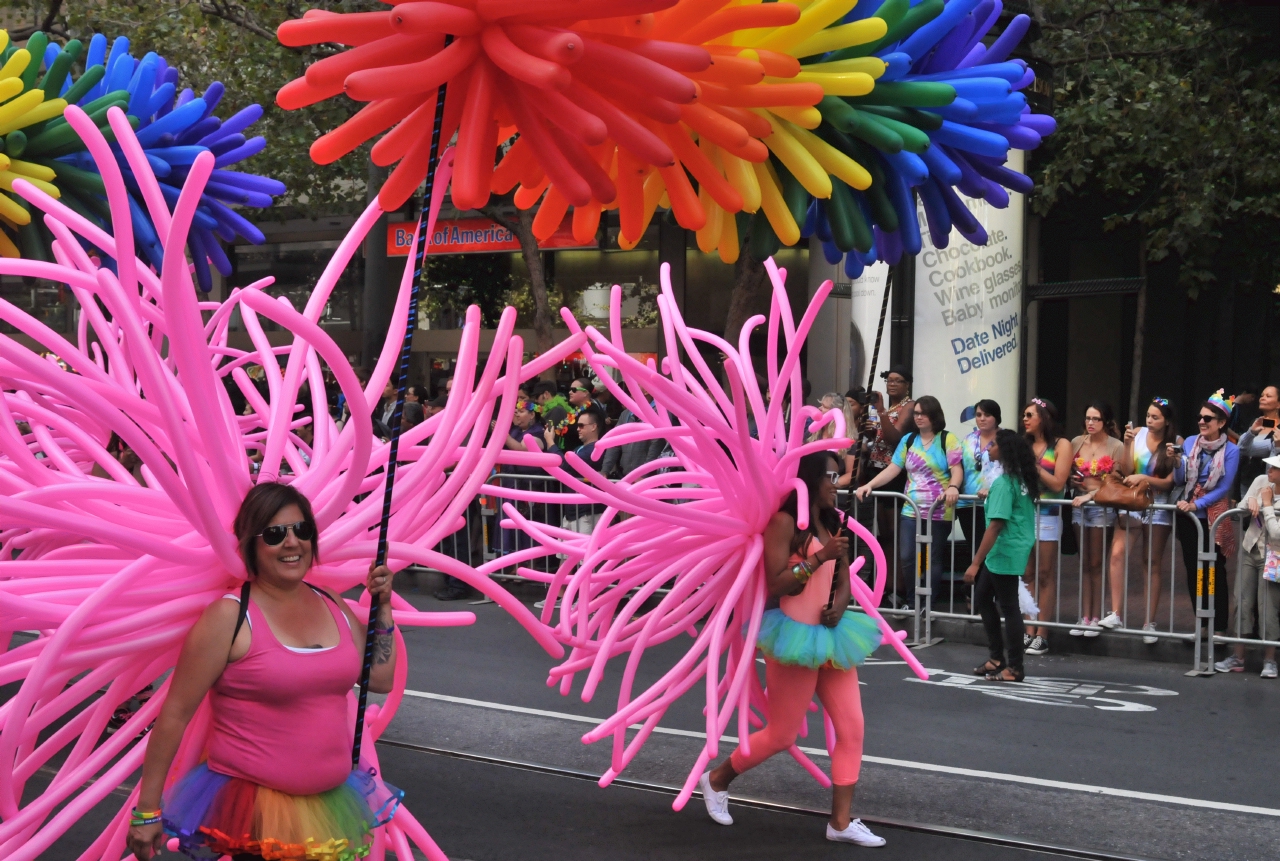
(791, 121)
(173, 128)
(110, 567)
(694, 524)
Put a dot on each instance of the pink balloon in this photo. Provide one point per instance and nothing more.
(112, 571)
(694, 525)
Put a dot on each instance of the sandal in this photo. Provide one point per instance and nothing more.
(991, 667)
(1015, 675)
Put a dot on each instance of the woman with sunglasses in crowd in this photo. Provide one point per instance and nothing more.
(812, 643)
(277, 658)
(1149, 455)
(1207, 472)
(1097, 452)
(1053, 459)
(933, 463)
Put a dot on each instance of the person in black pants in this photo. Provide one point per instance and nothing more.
(1207, 464)
(1002, 556)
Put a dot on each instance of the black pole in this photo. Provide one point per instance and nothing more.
(402, 377)
(884, 311)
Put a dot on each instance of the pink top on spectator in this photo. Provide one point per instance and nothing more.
(280, 717)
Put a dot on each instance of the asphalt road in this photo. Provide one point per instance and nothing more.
(1099, 754)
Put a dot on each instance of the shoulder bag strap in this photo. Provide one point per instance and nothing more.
(244, 610)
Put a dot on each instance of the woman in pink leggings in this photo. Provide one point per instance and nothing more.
(812, 643)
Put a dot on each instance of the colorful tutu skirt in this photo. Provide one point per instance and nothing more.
(843, 647)
(214, 815)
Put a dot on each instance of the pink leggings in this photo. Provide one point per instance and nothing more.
(790, 690)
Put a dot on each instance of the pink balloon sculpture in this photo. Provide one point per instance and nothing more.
(111, 573)
(694, 525)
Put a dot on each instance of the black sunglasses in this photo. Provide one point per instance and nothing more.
(1205, 418)
(303, 530)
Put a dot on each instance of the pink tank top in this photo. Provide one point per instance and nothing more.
(807, 607)
(280, 718)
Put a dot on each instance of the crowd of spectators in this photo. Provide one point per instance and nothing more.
(901, 445)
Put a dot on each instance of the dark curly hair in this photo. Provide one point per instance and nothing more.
(812, 471)
(1018, 461)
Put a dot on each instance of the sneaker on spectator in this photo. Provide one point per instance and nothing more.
(1037, 646)
(1150, 641)
(1269, 669)
(1111, 620)
(1078, 631)
(1091, 628)
(1231, 664)
(1026, 640)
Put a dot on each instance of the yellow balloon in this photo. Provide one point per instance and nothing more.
(832, 160)
(16, 64)
(708, 235)
(843, 36)
(775, 208)
(837, 84)
(803, 166)
(740, 175)
(729, 243)
(818, 15)
(872, 66)
(805, 118)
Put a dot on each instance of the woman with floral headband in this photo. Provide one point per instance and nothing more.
(1149, 455)
(1207, 471)
(1096, 454)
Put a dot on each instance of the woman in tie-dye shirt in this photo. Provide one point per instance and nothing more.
(933, 461)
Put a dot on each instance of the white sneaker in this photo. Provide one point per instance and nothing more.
(1079, 631)
(717, 802)
(1269, 669)
(856, 833)
(1231, 664)
(1091, 629)
(1150, 641)
(1111, 620)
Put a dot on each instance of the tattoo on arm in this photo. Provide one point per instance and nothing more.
(382, 644)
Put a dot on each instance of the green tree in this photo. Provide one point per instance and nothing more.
(232, 42)
(1167, 122)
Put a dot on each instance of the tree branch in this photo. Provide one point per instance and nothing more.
(48, 25)
(234, 13)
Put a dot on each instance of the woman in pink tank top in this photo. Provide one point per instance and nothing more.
(278, 670)
(813, 643)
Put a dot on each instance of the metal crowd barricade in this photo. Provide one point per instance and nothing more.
(1152, 573)
(482, 538)
(1242, 515)
(885, 510)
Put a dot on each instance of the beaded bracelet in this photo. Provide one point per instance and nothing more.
(138, 818)
(802, 572)
(382, 632)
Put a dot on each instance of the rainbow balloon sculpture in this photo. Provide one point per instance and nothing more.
(821, 115)
(172, 127)
(111, 573)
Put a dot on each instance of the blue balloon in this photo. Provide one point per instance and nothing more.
(174, 127)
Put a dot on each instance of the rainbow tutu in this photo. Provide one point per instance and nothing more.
(213, 815)
(845, 646)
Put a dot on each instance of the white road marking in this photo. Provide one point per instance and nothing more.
(880, 760)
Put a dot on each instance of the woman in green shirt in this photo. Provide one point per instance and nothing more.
(1002, 557)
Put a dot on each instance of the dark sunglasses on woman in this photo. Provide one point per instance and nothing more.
(273, 535)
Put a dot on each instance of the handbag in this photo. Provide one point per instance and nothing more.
(1115, 493)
